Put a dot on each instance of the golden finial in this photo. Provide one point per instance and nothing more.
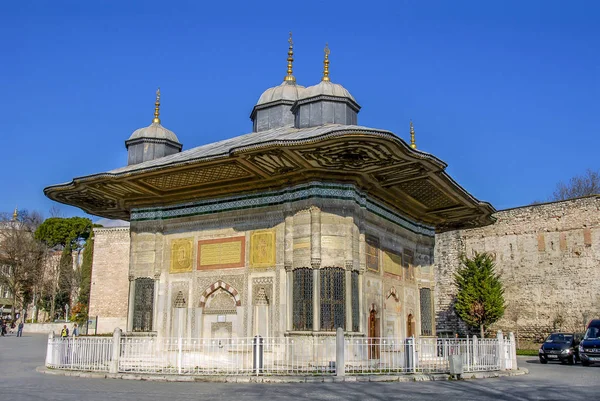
(157, 108)
(15, 214)
(326, 64)
(412, 136)
(289, 77)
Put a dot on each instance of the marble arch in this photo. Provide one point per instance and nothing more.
(214, 287)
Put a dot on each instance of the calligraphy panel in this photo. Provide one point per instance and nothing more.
(392, 263)
(221, 253)
(181, 255)
(372, 251)
(262, 249)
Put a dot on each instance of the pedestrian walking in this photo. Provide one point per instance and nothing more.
(20, 330)
(75, 330)
(64, 333)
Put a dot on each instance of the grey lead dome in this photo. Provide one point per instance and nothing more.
(154, 131)
(286, 91)
(326, 88)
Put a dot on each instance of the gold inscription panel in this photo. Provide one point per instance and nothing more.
(262, 249)
(221, 253)
(181, 255)
(392, 263)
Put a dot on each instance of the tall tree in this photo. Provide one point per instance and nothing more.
(21, 258)
(480, 296)
(85, 282)
(68, 235)
(581, 185)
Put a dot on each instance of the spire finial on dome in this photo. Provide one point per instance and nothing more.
(157, 108)
(15, 214)
(290, 77)
(326, 64)
(412, 136)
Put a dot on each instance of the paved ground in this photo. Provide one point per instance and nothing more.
(19, 381)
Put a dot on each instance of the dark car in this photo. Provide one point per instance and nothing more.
(589, 348)
(560, 347)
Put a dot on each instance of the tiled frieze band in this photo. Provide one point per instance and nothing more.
(312, 190)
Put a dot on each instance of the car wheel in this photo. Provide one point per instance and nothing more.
(543, 360)
(585, 363)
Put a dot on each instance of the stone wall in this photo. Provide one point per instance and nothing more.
(549, 259)
(110, 278)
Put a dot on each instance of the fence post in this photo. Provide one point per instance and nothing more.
(475, 350)
(179, 354)
(340, 363)
(469, 353)
(413, 353)
(50, 349)
(513, 351)
(500, 352)
(113, 367)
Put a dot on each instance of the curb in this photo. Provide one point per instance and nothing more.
(279, 379)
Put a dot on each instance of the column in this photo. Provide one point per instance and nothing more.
(315, 261)
(131, 309)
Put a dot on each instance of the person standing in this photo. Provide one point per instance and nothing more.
(75, 330)
(64, 333)
(20, 330)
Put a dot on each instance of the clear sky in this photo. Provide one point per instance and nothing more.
(506, 92)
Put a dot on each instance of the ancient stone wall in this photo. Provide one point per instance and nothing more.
(549, 259)
(110, 284)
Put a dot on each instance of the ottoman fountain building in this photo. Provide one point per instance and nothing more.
(309, 223)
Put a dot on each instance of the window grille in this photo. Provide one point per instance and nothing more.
(143, 304)
(426, 312)
(302, 299)
(355, 311)
(333, 308)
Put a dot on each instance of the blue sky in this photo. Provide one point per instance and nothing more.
(506, 92)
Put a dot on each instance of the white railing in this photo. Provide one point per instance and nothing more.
(79, 353)
(299, 355)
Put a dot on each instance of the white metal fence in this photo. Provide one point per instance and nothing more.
(279, 356)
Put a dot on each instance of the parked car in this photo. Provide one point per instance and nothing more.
(589, 348)
(560, 347)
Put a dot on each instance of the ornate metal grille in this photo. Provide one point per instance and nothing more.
(333, 308)
(355, 311)
(426, 312)
(143, 304)
(302, 299)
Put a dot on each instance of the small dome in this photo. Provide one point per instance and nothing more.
(326, 88)
(288, 90)
(156, 131)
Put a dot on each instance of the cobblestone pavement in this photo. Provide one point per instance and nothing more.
(19, 381)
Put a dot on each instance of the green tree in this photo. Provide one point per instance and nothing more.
(480, 297)
(58, 231)
(68, 235)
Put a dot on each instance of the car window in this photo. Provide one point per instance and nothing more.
(591, 333)
(559, 338)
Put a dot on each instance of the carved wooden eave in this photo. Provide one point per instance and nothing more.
(409, 181)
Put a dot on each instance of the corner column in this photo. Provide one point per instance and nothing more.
(131, 302)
